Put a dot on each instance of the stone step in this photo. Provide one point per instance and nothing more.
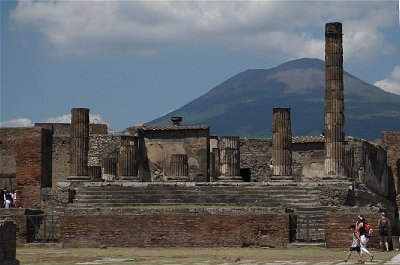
(195, 195)
(180, 200)
(289, 196)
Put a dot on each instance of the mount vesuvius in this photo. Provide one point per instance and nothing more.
(242, 105)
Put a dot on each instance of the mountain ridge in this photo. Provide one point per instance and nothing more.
(242, 105)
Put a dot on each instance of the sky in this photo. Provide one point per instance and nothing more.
(130, 62)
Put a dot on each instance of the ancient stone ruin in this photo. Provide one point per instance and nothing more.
(177, 185)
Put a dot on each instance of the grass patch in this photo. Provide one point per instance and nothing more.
(197, 256)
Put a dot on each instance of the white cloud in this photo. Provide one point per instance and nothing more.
(66, 118)
(392, 83)
(17, 123)
(290, 29)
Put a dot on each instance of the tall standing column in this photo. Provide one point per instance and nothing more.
(334, 100)
(79, 134)
(229, 159)
(281, 142)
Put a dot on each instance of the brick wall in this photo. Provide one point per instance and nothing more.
(31, 149)
(174, 228)
(19, 217)
(339, 235)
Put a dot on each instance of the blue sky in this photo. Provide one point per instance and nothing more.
(130, 62)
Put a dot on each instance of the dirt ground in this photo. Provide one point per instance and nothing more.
(46, 255)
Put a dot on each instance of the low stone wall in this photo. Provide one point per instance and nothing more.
(222, 227)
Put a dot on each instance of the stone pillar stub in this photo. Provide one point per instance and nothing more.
(109, 167)
(79, 139)
(179, 168)
(8, 242)
(94, 172)
(128, 158)
(281, 144)
(215, 164)
(334, 100)
(229, 159)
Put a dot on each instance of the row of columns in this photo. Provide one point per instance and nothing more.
(228, 155)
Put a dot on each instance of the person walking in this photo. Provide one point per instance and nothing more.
(355, 244)
(383, 225)
(364, 237)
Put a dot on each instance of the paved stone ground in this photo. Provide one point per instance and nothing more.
(394, 260)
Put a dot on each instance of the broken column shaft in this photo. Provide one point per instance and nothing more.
(334, 100)
(79, 134)
(281, 142)
(127, 157)
(229, 159)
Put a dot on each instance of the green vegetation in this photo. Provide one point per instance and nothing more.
(34, 255)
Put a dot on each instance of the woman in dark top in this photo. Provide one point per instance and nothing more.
(360, 226)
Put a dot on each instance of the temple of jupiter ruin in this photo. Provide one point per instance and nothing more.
(281, 144)
(334, 100)
(229, 159)
(79, 133)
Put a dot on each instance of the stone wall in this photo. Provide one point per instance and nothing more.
(8, 246)
(101, 146)
(391, 142)
(31, 149)
(256, 154)
(161, 143)
(369, 166)
(226, 227)
(98, 142)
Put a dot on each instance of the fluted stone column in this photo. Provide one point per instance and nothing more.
(127, 158)
(229, 159)
(109, 166)
(79, 133)
(281, 144)
(179, 168)
(214, 164)
(94, 172)
(334, 100)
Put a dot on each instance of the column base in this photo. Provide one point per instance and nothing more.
(335, 178)
(79, 178)
(230, 179)
(177, 178)
(275, 178)
(129, 178)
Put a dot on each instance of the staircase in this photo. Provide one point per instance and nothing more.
(224, 194)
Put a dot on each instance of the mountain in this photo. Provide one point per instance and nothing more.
(242, 105)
